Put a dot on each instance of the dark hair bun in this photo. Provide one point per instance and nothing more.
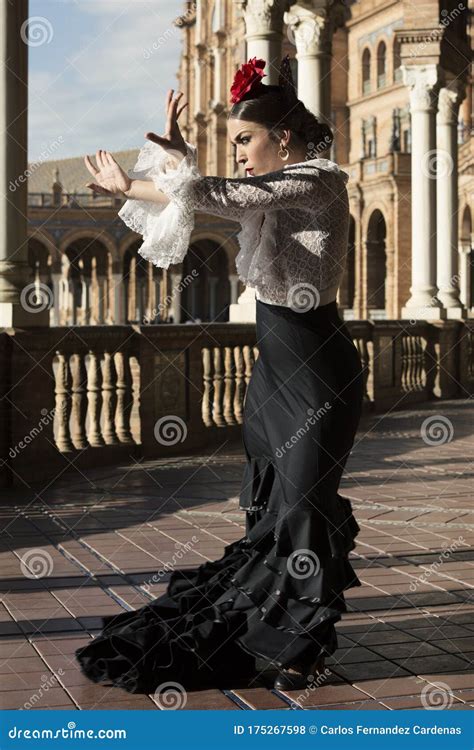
(273, 109)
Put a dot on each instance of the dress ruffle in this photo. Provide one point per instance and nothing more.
(213, 621)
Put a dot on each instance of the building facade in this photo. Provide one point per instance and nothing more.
(394, 81)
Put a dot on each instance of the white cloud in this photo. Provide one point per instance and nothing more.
(111, 88)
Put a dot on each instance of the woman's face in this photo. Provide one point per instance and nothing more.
(254, 148)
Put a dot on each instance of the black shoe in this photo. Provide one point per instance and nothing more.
(296, 680)
(291, 680)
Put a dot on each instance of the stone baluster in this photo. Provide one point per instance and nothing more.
(229, 386)
(94, 392)
(79, 401)
(218, 379)
(207, 387)
(63, 403)
(109, 396)
(124, 398)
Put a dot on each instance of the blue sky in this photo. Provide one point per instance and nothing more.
(99, 71)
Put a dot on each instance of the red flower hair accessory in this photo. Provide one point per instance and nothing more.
(247, 78)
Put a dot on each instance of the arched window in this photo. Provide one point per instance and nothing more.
(381, 64)
(376, 265)
(366, 71)
(397, 63)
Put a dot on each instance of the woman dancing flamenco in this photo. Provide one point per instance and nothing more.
(276, 593)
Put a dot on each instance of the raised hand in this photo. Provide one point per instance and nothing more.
(110, 179)
(172, 140)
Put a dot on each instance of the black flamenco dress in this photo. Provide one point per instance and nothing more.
(277, 592)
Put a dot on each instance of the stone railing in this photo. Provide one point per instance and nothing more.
(88, 396)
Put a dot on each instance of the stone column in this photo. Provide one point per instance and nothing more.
(464, 275)
(175, 293)
(264, 33)
(311, 32)
(234, 286)
(212, 282)
(55, 318)
(264, 36)
(119, 298)
(423, 83)
(450, 97)
(15, 277)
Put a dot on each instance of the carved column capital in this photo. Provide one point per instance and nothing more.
(263, 16)
(450, 97)
(310, 32)
(423, 82)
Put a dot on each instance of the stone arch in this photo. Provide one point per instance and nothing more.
(376, 262)
(381, 61)
(366, 68)
(207, 296)
(85, 279)
(397, 75)
(347, 290)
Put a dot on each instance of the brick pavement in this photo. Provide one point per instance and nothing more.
(89, 545)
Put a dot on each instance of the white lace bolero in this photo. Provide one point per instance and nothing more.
(294, 221)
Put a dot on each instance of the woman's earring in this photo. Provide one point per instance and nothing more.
(280, 154)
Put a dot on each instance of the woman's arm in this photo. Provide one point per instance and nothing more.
(145, 190)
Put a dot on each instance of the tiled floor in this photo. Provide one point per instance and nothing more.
(89, 545)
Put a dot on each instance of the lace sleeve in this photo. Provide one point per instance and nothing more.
(303, 185)
(166, 228)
